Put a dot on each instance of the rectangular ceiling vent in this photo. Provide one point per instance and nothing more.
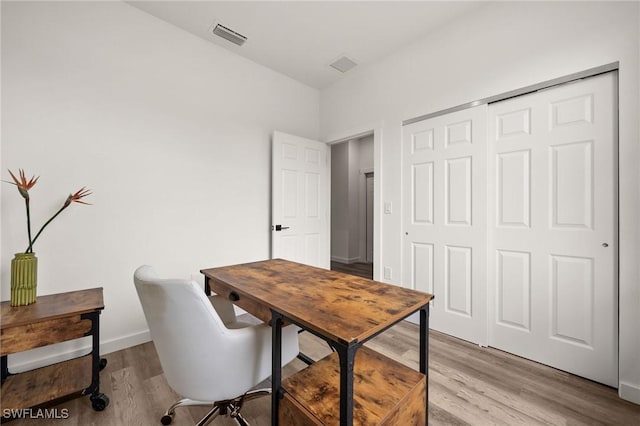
(229, 35)
(343, 64)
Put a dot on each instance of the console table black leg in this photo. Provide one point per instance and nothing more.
(207, 286)
(347, 355)
(276, 366)
(99, 401)
(4, 368)
(424, 352)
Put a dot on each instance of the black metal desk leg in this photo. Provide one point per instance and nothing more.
(424, 351)
(276, 365)
(347, 355)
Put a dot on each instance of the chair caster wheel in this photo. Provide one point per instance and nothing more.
(103, 363)
(99, 401)
(166, 419)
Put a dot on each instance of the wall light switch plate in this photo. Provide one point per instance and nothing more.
(387, 207)
(387, 273)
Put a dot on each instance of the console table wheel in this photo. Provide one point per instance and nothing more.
(99, 401)
(103, 363)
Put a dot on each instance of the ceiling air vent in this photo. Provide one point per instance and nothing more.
(343, 64)
(229, 35)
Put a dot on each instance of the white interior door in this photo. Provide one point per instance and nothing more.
(553, 203)
(300, 194)
(444, 219)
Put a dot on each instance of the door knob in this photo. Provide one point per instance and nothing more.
(280, 227)
(605, 245)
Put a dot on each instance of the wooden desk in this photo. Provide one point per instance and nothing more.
(342, 309)
(52, 319)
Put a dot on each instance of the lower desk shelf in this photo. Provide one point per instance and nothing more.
(385, 393)
(35, 387)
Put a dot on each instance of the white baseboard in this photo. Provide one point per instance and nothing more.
(629, 392)
(125, 342)
(44, 356)
(347, 260)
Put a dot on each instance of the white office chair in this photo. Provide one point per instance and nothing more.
(207, 356)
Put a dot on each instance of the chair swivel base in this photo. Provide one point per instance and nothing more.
(229, 407)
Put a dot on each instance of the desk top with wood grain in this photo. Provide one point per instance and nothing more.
(51, 307)
(338, 306)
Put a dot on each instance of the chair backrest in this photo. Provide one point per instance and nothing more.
(196, 350)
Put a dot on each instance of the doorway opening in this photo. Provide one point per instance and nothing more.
(352, 206)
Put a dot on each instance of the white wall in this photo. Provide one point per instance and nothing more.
(170, 132)
(339, 202)
(365, 164)
(365, 145)
(348, 233)
(354, 200)
(501, 47)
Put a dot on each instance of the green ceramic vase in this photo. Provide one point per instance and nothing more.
(24, 279)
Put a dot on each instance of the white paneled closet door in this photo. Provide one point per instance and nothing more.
(444, 219)
(553, 227)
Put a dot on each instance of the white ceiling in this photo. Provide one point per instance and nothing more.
(301, 38)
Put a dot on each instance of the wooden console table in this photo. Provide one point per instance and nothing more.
(346, 311)
(52, 319)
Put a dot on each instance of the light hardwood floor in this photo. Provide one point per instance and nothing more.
(469, 385)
